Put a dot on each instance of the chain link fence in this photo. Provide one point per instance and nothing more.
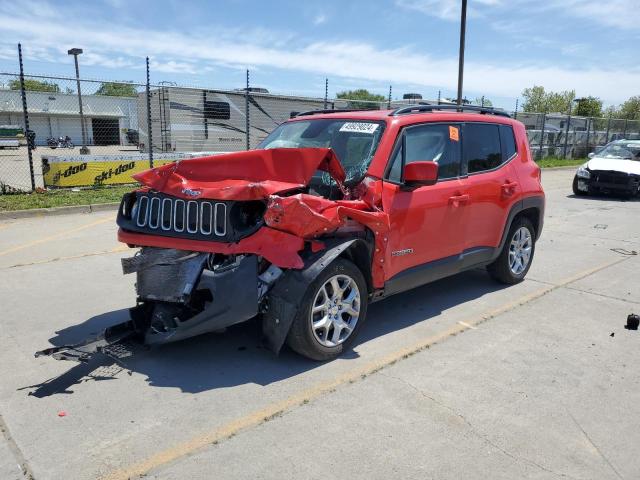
(89, 133)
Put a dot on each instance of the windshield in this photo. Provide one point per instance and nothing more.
(621, 150)
(354, 142)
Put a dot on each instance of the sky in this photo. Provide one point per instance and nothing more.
(291, 46)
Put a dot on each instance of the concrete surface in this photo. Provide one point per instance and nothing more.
(462, 378)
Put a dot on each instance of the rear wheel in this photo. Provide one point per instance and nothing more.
(516, 256)
(332, 311)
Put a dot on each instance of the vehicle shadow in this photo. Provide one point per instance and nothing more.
(605, 197)
(237, 356)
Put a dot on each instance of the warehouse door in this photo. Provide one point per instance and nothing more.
(105, 131)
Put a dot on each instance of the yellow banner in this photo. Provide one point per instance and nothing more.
(83, 174)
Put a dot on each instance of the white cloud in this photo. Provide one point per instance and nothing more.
(623, 14)
(320, 19)
(191, 52)
(445, 9)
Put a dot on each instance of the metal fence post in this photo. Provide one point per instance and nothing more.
(326, 93)
(149, 133)
(566, 134)
(624, 132)
(515, 112)
(588, 132)
(389, 100)
(544, 121)
(246, 107)
(608, 128)
(482, 101)
(25, 112)
(439, 93)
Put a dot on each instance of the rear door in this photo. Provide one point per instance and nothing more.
(492, 182)
(426, 222)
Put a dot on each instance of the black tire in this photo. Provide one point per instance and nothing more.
(301, 337)
(500, 269)
(576, 192)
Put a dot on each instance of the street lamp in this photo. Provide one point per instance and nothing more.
(75, 52)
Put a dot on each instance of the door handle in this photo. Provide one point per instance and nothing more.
(457, 200)
(509, 188)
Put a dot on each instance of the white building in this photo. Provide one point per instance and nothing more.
(57, 114)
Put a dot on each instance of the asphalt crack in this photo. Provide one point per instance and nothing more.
(15, 450)
(477, 433)
(602, 455)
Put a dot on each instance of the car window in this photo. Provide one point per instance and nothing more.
(508, 141)
(353, 141)
(438, 143)
(482, 149)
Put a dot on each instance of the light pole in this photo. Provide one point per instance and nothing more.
(75, 52)
(566, 133)
(463, 25)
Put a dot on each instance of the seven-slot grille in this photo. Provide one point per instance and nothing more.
(160, 214)
(174, 214)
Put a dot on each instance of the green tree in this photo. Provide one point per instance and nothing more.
(589, 107)
(363, 95)
(630, 109)
(113, 89)
(538, 100)
(35, 86)
(483, 102)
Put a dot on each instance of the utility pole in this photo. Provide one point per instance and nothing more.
(463, 25)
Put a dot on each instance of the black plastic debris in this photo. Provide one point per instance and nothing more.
(633, 321)
(600, 226)
(612, 334)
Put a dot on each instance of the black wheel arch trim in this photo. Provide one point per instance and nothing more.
(533, 202)
(283, 301)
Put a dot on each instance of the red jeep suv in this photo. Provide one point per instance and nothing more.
(335, 210)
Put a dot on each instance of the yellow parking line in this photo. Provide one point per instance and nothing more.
(55, 237)
(259, 416)
(121, 248)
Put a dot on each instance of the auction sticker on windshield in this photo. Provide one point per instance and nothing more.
(359, 127)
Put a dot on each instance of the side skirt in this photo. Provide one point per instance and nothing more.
(438, 269)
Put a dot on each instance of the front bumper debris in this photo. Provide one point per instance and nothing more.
(102, 343)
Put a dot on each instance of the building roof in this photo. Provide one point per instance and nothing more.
(67, 104)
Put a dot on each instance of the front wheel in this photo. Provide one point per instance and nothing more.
(576, 191)
(516, 256)
(331, 312)
(70, 145)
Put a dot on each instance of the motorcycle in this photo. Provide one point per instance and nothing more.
(61, 142)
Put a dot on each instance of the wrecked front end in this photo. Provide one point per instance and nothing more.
(225, 239)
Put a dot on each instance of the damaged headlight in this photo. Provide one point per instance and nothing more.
(583, 172)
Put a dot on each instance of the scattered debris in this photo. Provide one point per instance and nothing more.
(600, 226)
(62, 413)
(612, 334)
(633, 321)
(623, 251)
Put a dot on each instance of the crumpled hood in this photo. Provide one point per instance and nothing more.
(250, 175)
(614, 164)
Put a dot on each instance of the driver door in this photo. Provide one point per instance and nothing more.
(426, 222)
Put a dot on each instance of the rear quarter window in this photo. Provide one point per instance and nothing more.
(508, 141)
(481, 146)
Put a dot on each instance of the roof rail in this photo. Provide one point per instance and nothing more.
(458, 108)
(343, 110)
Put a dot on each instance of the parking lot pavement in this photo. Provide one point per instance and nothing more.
(459, 379)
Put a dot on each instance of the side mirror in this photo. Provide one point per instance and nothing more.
(591, 155)
(419, 174)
